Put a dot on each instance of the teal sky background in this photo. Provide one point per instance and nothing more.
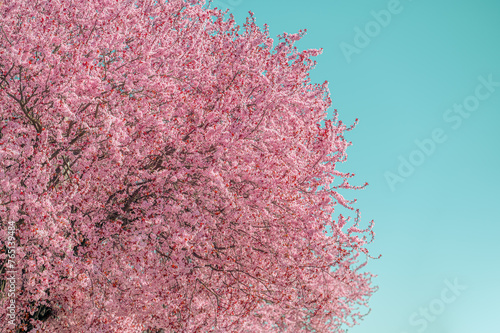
(438, 224)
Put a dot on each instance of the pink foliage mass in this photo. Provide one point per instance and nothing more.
(167, 169)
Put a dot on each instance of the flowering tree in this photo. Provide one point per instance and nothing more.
(163, 168)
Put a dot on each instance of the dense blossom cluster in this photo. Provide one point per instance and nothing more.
(167, 169)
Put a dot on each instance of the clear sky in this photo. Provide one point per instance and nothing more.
(423, 77)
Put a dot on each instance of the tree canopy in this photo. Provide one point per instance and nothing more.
(164, 168)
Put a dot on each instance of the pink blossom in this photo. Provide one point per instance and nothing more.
(166, 170)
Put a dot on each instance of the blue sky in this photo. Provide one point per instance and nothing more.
(423, 78)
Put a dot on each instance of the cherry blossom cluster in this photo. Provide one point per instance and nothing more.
(167, 169)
